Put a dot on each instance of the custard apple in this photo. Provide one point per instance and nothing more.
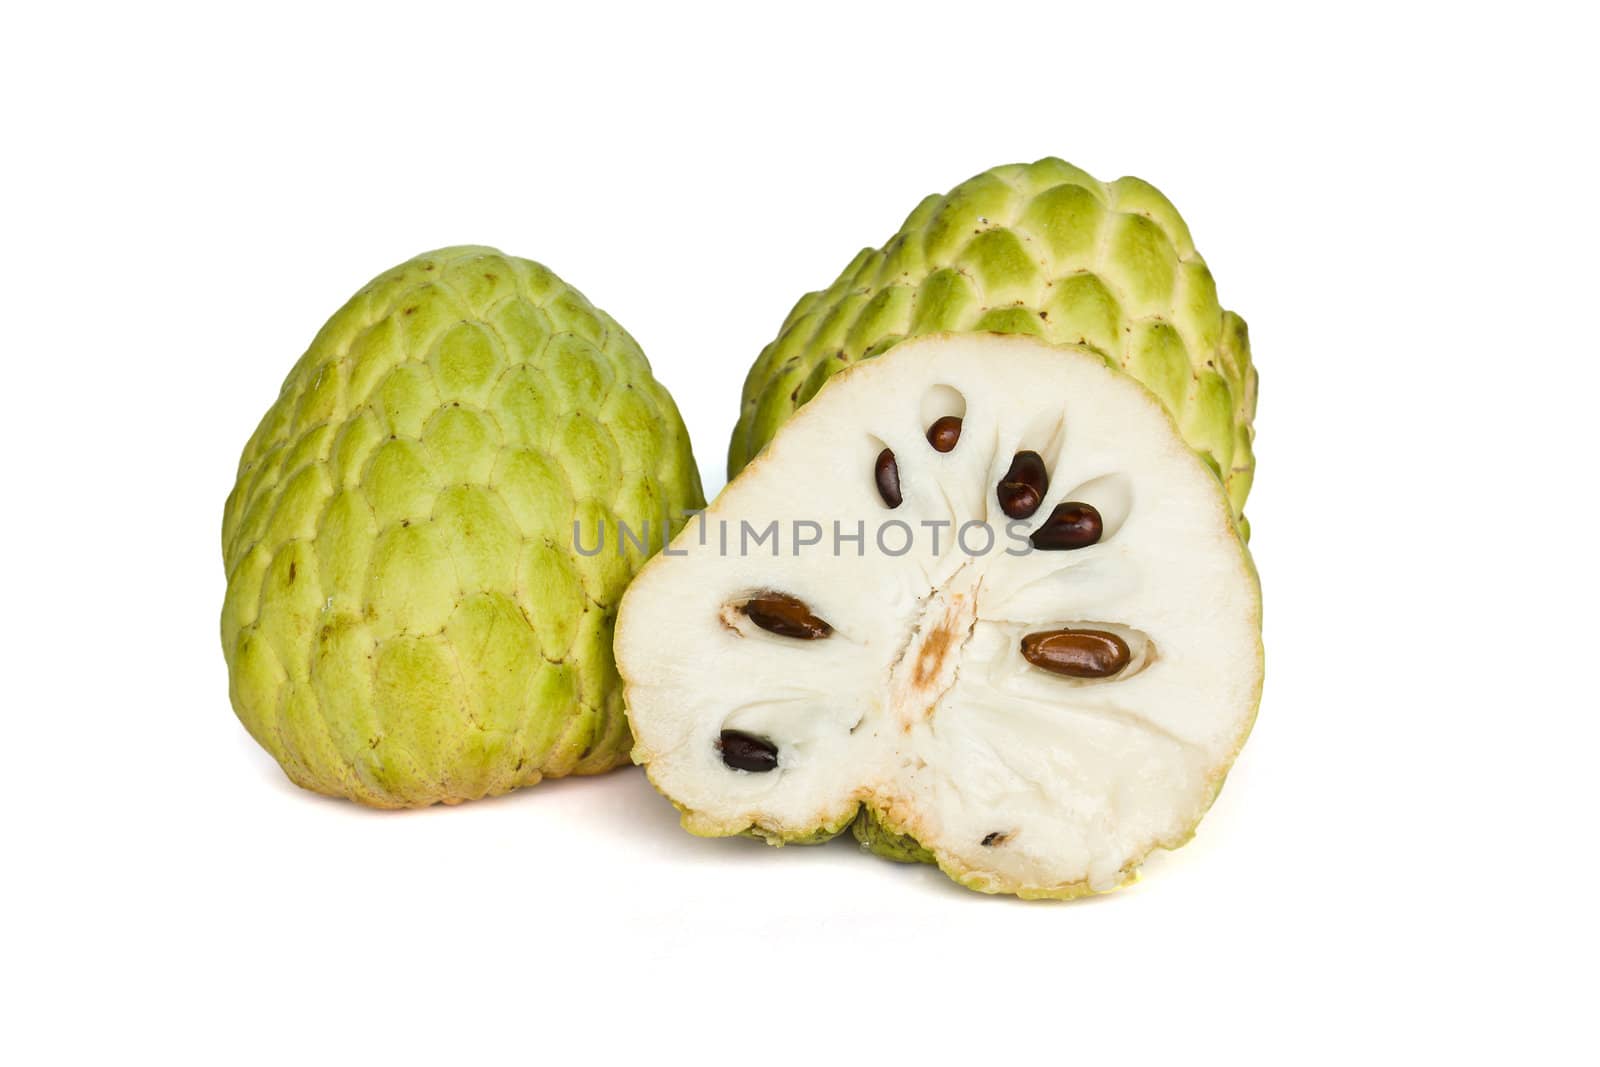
(978, 589)
(415, 610)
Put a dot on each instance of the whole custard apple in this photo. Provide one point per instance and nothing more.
(1000, 615)
(416, 611)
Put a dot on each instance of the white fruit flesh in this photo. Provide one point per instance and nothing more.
(920, 703)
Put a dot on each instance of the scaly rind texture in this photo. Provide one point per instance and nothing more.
(1041, 249)
(877, 838)
(406, 621)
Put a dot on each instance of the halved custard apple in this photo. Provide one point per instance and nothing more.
(979, 599)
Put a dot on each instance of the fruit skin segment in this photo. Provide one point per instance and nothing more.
(875, 836)
(406, 620)
(1041, 249)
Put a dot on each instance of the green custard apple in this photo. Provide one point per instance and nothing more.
(420, 601)
(978, 589)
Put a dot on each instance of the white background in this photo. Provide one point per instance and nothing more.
(1400, 200)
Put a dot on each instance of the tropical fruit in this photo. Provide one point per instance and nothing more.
(419, 607)
(978, 588)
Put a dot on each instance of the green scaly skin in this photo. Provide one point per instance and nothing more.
(1042, 249)
(869, 829)
(406, 621)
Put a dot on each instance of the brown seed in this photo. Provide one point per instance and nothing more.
(944, 433)
(1070, 525)
(1076, 653)
(1023, 487)
(887, 474)
(786, 616)
(990, 840)
(747, 752)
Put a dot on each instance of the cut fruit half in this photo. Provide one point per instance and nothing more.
(978, 597)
